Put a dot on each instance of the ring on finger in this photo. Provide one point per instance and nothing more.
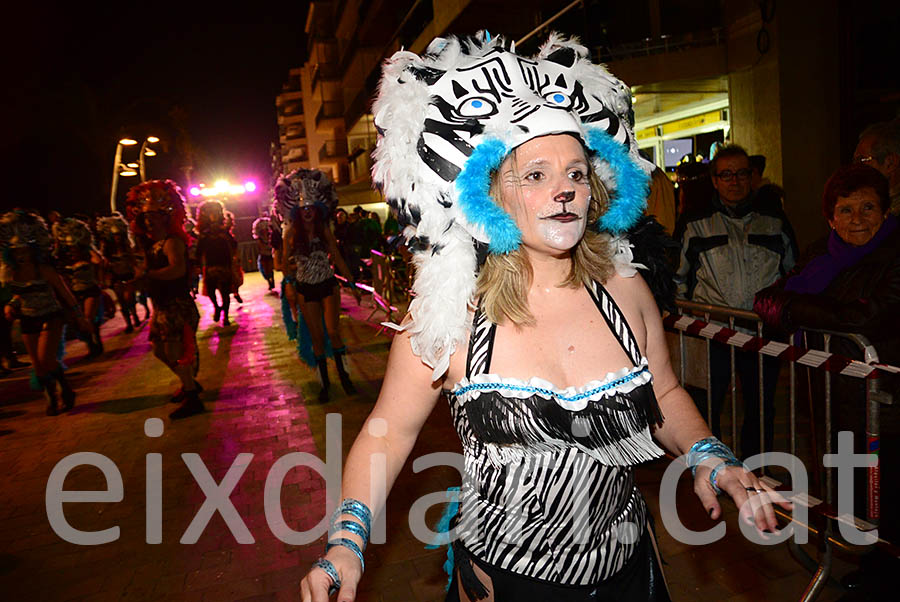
(329, 569)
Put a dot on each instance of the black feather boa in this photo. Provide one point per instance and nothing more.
(658, 251)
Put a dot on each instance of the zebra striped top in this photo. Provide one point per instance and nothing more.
(548, 490)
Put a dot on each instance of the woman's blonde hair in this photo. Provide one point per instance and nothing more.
(504, 279)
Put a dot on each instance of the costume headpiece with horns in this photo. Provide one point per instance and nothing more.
(447, 119)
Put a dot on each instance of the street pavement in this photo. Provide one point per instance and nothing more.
(260, 400)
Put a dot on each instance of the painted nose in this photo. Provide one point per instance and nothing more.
(566, 196)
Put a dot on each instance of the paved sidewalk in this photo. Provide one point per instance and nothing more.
(260, 401)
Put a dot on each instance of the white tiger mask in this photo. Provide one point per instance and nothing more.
(447, 119)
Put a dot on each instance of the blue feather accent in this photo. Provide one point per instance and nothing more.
(443, 526)
(473, 185)
(629, 201)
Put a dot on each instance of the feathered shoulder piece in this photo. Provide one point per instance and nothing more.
(446, 121)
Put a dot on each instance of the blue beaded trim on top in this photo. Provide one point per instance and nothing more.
(542, 391)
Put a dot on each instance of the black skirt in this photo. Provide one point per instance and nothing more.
(640, 580)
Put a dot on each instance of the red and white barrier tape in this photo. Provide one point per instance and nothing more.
(807, 357)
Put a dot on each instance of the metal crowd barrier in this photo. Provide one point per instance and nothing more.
(688, 325)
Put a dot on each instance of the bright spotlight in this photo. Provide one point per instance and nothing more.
(250, 186)
(127, 141)
(132, 165)
(222, 184)
(195, 191)
(150, 152)
(128, 172)
(152, 139)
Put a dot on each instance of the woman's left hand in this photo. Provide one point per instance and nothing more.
(753, 498)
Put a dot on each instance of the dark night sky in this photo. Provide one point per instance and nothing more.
(80, 80)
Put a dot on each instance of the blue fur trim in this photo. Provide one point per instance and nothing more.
(629, 201)
(473, 185)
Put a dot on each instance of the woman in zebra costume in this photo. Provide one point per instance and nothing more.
(517, 180)
(306, 198)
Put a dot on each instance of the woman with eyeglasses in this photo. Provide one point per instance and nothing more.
(850, 282)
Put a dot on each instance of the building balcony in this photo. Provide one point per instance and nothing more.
(330, 110)
(326, 71)
(296, 154)
(294, 134)
(333, 149)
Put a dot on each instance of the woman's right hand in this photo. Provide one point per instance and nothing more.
(315, 586)
(10, 312)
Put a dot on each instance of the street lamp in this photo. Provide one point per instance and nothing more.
(146, 151)
(129, 170)
(117, 162)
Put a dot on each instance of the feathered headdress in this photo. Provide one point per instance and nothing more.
(72, 232)
(155, 195)
(112, 227)
(210, 216)
(447, 119)
(260, 228)
(304, 187)
(22, 229)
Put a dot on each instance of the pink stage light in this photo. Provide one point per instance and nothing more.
(195, 191)
(250, 186)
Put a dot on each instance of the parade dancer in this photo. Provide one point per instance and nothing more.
(237, 273)
(40, 300)
(118, 250)
(264, 261)
(155, 211)
(517, 180)
(190, 228)
(81, 265)
(216, 249)
(289, 309)
(307, 197)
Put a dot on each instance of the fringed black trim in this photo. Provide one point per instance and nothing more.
(471, 584)
(658, 251)
(534, 420)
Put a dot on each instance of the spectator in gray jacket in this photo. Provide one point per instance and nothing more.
(729, 251)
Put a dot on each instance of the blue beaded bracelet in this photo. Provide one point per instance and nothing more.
(351, 545)
(357, 510)
(351, 527)
(707, 448)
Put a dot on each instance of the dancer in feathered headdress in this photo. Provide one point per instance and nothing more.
(118, 251)
(516, 179)
(264, 261)
(81, 265)
(155, 210)
(40, 300)
(216, 253)
(305, 199)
